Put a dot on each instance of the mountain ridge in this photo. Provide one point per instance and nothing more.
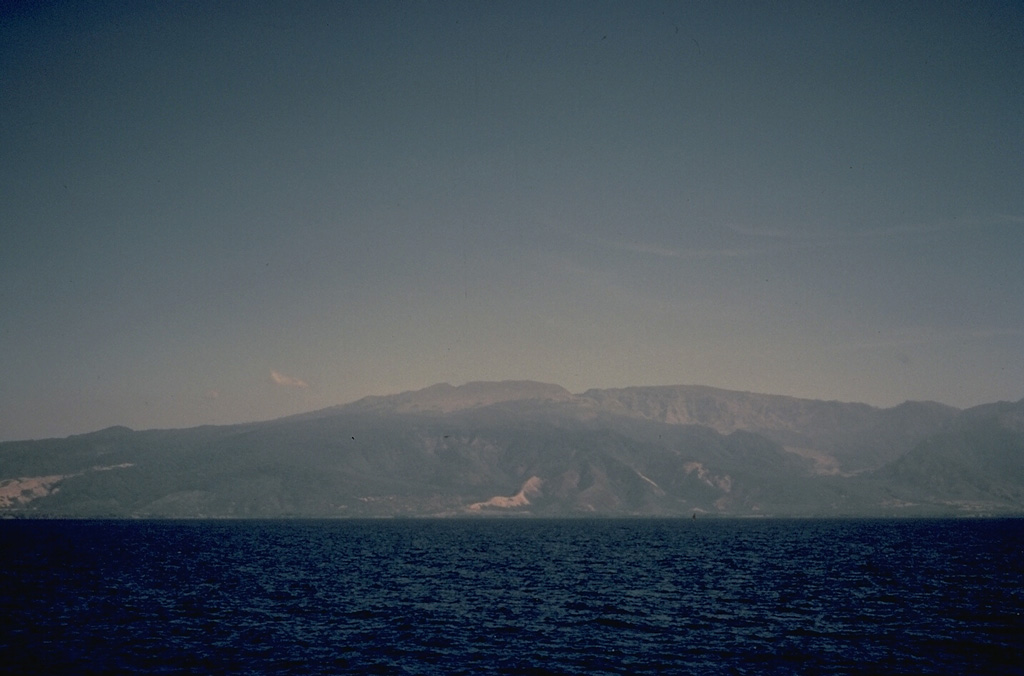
(535, 449)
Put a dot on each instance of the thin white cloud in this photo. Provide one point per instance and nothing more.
(903, 229)
(683, 253)
(678, 253)
(287, 381)
(924, 336)
(828, 236)
(663, 252)
(766, 233)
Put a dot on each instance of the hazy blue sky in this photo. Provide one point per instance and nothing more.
(215, 212)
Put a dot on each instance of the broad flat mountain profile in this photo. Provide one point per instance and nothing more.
(521, 448)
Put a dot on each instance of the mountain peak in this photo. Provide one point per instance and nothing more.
(112, 432)
(445, 398)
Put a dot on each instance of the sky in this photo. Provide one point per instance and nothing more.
(222, 212)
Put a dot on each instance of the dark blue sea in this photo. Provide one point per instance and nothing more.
(513, 597)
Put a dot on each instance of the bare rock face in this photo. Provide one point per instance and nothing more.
(445, 398)
(843, 437)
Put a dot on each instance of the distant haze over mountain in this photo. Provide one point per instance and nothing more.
(535, 449)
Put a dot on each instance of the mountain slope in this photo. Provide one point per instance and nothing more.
(846, 437)
(976, 465)
(535, 449)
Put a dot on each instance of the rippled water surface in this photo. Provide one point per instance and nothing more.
(513, 597)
